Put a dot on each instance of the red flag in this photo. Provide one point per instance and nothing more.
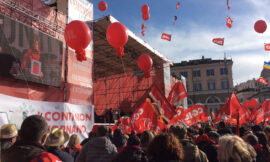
(166, 36)
(162, 103)
(177, 5)
(177, 93)
(229, 22)
(251, 105)
(262, 113)
(143, 33)
(267, 46)
(124, 124)
(263, 81)
(179, 111)
(228, 5)
(147, 117)
(143, 26)
(194, 114)
(218, 41)
(175, 19)
(213, 115)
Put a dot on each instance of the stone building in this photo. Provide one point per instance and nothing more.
(208, 81)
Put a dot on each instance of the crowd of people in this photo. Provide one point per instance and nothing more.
(34, 142)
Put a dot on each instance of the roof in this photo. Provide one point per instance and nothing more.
(106, 63)
(201, 61)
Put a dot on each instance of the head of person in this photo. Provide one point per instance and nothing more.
(252, 139)
(118, 133)
(146, 137)
(263, 140)
(267, 131)
(102, 131)
(234, 149)
(133, 140)
(179, 131)
(74, 140)
(256, 128)
(221, 125)
(34, 129)
(165, 147)
(35, 42)
(214, 136)
(57, 138)
(9, 133)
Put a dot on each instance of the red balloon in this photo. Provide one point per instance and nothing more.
(102, 6)
(117, 37)
(77, 35)
(260, 26)
(145, 64)
(145, 9)
(146, 16)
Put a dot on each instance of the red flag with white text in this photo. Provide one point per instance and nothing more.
(218, 41)
(177, 94)
(194, 114)
(267, 46)
(162, 103)
(263, 81)
(166, 36)
(124, 124)
(229, 22)
(263, 112)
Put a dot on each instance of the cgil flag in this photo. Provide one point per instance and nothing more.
(229, 22)
(267, 46)
(166, 36)
(263, 81)
(177, 93)
(218, 41)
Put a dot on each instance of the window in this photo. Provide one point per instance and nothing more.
(211, 85)
(197, 86)
(210, 72)
(184, 73)
(223, 71)
(196, 73)
(225, 84)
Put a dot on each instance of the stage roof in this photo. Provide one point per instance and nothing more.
(106, 63)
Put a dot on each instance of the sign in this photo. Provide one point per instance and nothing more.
(71, 118)
(218, 41)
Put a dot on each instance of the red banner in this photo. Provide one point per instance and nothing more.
(267, 46)
(263, 81)
(218, 41)
(194, 114)
(124, 124)
(147, 117)
(166, 36)
(229, 22)
(177, 93)
(162, 103)
(263, 112)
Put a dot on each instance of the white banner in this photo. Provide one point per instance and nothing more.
(80, 10)
(72, 118)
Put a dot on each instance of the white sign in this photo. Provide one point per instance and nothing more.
(72, 118)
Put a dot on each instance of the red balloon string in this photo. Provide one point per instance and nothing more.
(120, 51)
(147, 74)
(80, 54)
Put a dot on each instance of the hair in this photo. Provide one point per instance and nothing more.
(233, 149)
(33, 128)
(222, 124)
(252, 139)
(133, 140)
(146, 137)
(263, 141)
(256, 128)
(165, 147)
(118, 133)
(179, 131)
(267, 129)
(74, 140)
(102, 131)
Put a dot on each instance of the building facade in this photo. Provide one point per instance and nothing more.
(208, 81)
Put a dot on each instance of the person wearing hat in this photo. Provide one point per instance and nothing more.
(56, 139)
(8, 136)
(73, 146)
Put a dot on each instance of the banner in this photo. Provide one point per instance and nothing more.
(263, 81)
(229, 22)
(262, 113)
(177, 94)
(166, 36)
(218, 41)
(267, 46)
(124, 124)
(194, 114)
(71, 118)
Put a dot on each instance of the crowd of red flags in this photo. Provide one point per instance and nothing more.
(157, 112)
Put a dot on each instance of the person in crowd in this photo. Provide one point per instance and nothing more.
(90, 136)
(73, 146)
(146, 138)
(165, 147)
(99, 149)
(8, 136)
(263, 141)
(118, 139)
(57, 138)
(214, 136)
(191, 151)
(222, 129)
(33, 134)
(132, 152)
(234, 149)
(253, 141)
(208, 146)
(267, 132)
(256, 128)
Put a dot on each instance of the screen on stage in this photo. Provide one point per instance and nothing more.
(29, 54)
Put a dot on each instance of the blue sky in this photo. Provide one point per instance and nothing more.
(199, 21)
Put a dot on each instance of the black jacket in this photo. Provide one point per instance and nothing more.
(131, 154)
(64, 156)
(23, 152)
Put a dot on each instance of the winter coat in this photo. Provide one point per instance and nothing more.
(192, 153)
(259, 151)
(64, 156)
(98, 149)
(119, 142)
(23, 151)
(208, 146)
(131, 154)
